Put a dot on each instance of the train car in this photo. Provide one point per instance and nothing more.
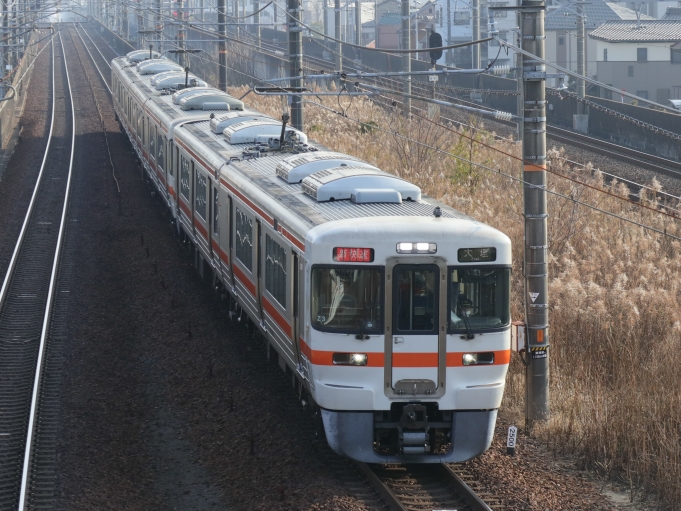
(391, 310)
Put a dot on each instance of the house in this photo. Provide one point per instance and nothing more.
(640, 57)
(561, 31)
(672, 13)
(389, 26)
(654, 8)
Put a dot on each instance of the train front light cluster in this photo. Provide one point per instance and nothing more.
(418, 247)
(474, 359)
(350, 359)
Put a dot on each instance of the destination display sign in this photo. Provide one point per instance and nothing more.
(477, 255)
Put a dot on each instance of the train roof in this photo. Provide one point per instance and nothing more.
(370, 192)
(262, 173)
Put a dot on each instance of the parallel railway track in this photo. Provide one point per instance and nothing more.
(30, 305)
(626, 154)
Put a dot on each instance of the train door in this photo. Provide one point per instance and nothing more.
(258, 265)
(174, 157)
(297, 286)
(214, 225)
(416, 345)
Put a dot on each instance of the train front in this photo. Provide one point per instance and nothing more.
(407, 335)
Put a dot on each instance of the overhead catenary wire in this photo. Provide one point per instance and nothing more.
(497, 171)
(498, 150)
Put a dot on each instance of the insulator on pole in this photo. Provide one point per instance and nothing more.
(503, 116)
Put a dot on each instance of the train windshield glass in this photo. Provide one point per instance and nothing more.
(347, 300)
(479, 298)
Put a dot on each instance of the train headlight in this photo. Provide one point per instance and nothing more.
(474, 359)
(419, 247)
(350, 359)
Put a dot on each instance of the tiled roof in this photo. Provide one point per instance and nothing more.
(672, 13)
(597, 13)
(390, 18)
(656, 31)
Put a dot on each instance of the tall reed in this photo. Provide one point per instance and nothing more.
(615, 288)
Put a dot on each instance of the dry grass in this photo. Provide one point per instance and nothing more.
(615, 289)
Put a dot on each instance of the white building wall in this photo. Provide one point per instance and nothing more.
(626, 52)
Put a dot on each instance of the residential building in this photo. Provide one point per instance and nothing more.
(561, 32)
(672, 13)
(654, 8)
(643, 58)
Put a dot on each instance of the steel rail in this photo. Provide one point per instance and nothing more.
(31, 204)
(23, 496)
(450, 480)
(106, 84)
(656, 163)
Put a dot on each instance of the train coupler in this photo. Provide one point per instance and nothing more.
(413, 430)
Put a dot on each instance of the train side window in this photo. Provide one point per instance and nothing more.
(244, 238)
(160, 148)
(347, 299)
(275, 270)
(216, 210)
(152, 141)
(200, 194)
(184, 177)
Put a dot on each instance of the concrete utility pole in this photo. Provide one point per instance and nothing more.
(140, 27)
(126, 26)
(181, 36)
(337, 35)
(580, 121)
(475, 7)
(222, 45)
(274, 17)
(449, 60)
(536, 241)
(325, 11)
(235, 13)
(295, 52)
(158, 24)
(3, 48)
(520, 103)
(406, 57)
(256, 21)
(358, 22)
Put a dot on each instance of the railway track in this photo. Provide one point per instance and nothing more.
(424, 487)
(30, 307)
(632, 156)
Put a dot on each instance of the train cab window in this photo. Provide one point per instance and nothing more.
(347, 299)
(275, 270)
(479, 298)
(244, 238)
(201, 194)
(184, 177)
(416, 290)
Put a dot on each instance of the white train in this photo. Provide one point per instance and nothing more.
(392, 310)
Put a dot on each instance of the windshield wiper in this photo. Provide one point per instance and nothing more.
(469, 331)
